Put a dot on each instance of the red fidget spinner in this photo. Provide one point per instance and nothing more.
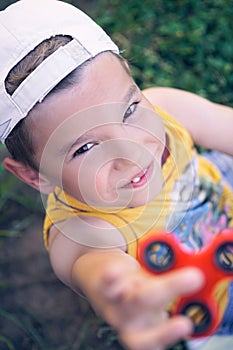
(160, 252)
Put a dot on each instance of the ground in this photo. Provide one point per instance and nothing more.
(37, 311)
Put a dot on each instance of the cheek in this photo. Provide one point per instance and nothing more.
(103, 180)
(70, 179)
(93, 184)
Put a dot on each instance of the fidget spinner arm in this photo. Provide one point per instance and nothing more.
(160, 252)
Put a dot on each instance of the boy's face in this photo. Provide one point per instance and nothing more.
(100, 140)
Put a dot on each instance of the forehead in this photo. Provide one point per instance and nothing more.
(104, 80)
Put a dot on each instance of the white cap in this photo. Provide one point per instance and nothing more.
(23, 26)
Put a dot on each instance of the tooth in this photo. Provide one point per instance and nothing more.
(137, 179)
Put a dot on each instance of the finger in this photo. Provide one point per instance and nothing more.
(158, 338)
(161, 290)
(183, 281)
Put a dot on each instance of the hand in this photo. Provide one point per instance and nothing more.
(136, 303)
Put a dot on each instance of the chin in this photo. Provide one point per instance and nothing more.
(139, 202)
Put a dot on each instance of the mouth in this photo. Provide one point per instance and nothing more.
(141, 178)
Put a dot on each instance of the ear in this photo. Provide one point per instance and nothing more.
(28, 175)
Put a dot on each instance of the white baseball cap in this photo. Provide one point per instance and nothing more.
(23, 26)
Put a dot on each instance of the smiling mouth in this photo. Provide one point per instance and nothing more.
(138, 178)
(141, 178)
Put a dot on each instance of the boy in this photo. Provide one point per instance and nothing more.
(115, 166)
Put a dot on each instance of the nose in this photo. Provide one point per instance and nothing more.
(127, 154)
(120, 164)
(127, 148)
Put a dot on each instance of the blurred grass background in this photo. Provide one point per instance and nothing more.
(185, 44)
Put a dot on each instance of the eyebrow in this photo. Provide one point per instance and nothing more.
(81, 139)
(67, 147)
(132, 91)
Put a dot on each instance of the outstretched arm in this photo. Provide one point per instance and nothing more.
(128, 298)
(133, 302)
(209, 123)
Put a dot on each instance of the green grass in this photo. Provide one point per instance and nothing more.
(18, 203)
(182, 43)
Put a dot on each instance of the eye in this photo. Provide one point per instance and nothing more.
(83, 149)
(132, 108)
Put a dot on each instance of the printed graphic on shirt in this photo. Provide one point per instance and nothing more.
(203, 209)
